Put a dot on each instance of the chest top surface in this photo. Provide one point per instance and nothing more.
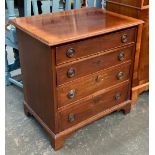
(56, 28)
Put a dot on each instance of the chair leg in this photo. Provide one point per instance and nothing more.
(16, 63)
(11, 11)
(7, 72)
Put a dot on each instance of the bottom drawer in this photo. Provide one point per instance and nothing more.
(87, 108)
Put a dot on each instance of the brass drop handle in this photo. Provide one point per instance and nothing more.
(121, 56)
(99, 78)
(71, 117)
(120, 75)
(117, 96)
(71, 72)
(124, 38)
(71, 94)
(70, 53)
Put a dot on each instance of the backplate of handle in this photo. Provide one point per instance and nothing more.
(120, 75)
(71, 117)
(117, 96)
(121, 56)
(99, 78)
(70, 52)
(71, 72)
(71, 94)
(124, 38)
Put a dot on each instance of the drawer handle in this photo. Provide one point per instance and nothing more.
(118, 96)
(71, 94)
(71, 117)
(70, 53)
(71, 72)
(124, 38)
(97, 99)
(120, 75)
(121, 56)
(99, 78)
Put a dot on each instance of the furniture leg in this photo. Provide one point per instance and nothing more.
(20, 5)
(57, 142)
(11, 11)
(9, 68)
(127, 108)
(94, 3)
(44, 7)
(26, 111)
(77, 4)
(27, 7)
(7, 72)
(16, 63)
(68, 5)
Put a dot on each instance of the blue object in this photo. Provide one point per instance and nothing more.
(91, 3)
(47, 6)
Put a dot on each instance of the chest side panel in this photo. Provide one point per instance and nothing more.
(38, 77)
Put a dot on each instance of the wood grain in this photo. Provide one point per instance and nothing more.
(141, 69)
(88, 108)
(146, 2)
(89, 85)
(57, 28)
(94, 45)
(93, 64)
(131, 3)
(43, 41)
(38, 79)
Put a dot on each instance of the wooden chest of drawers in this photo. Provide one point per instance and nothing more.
(77, 67)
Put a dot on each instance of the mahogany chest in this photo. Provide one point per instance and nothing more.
(76, 67)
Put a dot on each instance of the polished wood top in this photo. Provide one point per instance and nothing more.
(56, 28)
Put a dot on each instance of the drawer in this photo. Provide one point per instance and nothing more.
(83, 87)
(70, 52)
(85, 109)
(69, 72)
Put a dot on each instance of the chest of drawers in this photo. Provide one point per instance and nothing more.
(76, 66)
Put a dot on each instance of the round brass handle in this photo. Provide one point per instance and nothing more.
(124, 38)
(120, 75)
(99, 78)
(70, 53)
(71, 117)
(118, 96)
(71, 94)
(71, 72)
(121, 56)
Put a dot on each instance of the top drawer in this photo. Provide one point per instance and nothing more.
(70, 52)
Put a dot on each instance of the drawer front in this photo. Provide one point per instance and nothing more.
(79, 69)
(92, 106)
(88, 85)
(70, 52)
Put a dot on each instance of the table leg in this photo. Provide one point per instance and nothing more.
(11, 10)
(7, 73)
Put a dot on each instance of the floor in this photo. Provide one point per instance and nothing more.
(116, 134)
